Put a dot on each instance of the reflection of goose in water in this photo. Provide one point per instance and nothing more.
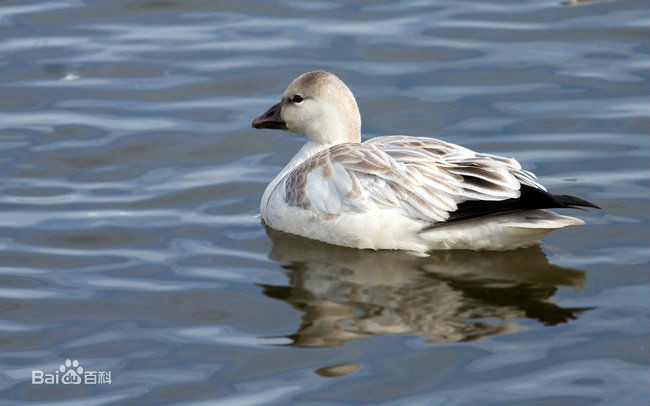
(448, 296)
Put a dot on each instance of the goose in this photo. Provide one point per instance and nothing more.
(396, 192)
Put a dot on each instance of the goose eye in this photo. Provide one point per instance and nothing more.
(297, 98)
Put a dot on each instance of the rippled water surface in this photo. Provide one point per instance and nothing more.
(129, 229)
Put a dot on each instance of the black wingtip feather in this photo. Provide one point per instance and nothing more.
(530, 199)
(572, 201)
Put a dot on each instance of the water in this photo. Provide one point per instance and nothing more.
(131, 178)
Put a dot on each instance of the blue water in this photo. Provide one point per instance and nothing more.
(130, 237)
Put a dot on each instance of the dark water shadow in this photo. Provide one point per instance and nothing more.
(447, 296)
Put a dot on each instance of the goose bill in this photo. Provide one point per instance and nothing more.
(271, 119)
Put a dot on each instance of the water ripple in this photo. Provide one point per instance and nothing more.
(130, 237)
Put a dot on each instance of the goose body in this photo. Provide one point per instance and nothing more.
(396, 192)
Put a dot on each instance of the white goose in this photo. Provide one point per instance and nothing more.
(396, 192)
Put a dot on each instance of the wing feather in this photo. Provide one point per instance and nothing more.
(427, 178)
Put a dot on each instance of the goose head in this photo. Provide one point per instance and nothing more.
(319, 105)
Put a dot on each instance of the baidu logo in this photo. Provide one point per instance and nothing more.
(71, 373)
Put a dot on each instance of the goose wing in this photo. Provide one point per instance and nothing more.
(427, 178)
